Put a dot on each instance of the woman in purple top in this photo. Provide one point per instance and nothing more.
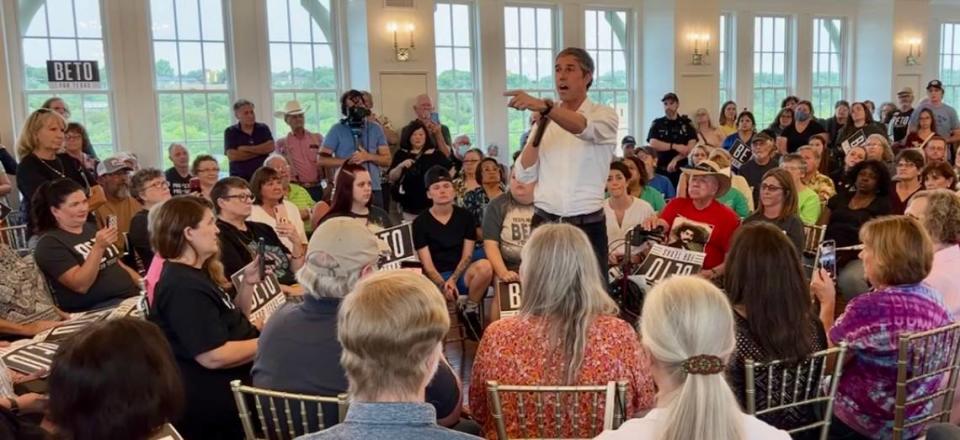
(897, 256)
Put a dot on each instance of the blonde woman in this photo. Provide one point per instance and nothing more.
(689, 357)
(567, 333)
(707, 133)
(878, 148)
(39, 148)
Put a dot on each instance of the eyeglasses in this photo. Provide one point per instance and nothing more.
(208, 170)
(765, 187)
(163, 184)
(73, 137)
(242, 197)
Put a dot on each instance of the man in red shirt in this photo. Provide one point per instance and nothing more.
(700, 209)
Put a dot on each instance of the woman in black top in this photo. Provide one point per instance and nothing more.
(417, 154)
(239, 237)
(150, 188)
(352, 198)
(778, 204)
(213, 341)
(773, 315)
(784, 119)
(81, 263)
(798, 134)
(860, 125)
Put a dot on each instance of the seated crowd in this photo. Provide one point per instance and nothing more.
(306, 208)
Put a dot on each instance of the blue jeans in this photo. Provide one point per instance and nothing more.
(461, 283)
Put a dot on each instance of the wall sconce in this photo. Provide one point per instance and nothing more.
(402, 53)
(914, 43)
(700, 41)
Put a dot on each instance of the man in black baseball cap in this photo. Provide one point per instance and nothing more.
(945, 116)
(628, 144)
(673, 136)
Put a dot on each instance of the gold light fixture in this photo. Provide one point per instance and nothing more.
(914, 44)
(701, 48)
(402, 53)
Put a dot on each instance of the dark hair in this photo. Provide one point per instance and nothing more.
(87, 146)
(933, 120)
(261, 177)
(867, 118)
(200, 159)
(783, 104)
(414, 126)
(776, 121)
(50, 194)
(343, 192)
(349, 95)
(910, 155)
(879, 168)
(641, 169)
(622, 168)
(167, 235)
(723, 118)
(699, 234)
(49, 103)
(114, 379)
(747, 114)
(764, 275)
(806, 103)
(140, 179)
(222, 187)
(495, 162)
(583, 58)
(941, 169)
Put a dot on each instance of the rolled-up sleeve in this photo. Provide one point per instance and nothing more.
(526, 175)
(602, 126)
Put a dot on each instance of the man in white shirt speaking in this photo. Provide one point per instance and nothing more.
(569, 151)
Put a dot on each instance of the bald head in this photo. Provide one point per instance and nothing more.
(423, 106)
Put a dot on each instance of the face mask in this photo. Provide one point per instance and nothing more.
(463, 149)
(801, 115)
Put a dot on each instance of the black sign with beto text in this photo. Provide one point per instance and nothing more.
(741, 153)
(510, 295)
(400, 241)
(267, 296)
(73, 74)
(31, 357)
(664, 261)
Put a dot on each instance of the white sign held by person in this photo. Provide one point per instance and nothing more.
(267, 295)
(399, 239)
(73, 74)
(664, 261)
(510, 295)
(741, 153)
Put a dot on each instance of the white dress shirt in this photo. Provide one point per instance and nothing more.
(572, 169)
(258, 214)
(633, 216)
(652, 425)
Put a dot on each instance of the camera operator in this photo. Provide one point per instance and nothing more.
(356, 139)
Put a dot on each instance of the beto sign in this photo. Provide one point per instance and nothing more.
(73, 74)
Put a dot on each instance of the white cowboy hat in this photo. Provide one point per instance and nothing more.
(291, 108)
(710, 168)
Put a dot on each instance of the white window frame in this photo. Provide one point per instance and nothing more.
(77, 114)
(212, 137)
(835, 92)
(725, 52)
(778, 91)
(626, 121)
(473, 94)
(315, 93)
(514, 136)
(949, 56)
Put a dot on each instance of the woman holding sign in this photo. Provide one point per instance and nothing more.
(566, 333)
(352, 198)
(212, 339)
(859, 127)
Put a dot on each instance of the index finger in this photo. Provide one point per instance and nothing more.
(512, 92)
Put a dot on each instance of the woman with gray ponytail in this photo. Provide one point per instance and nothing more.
(687, 328)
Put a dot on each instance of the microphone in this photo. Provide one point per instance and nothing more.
(541, 128)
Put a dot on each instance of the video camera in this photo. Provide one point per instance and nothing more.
(356, 116)
(638, 236)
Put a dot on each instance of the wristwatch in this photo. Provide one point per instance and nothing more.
(549, 103)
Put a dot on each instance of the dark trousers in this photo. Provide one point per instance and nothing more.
(596, 233)
(316, 192)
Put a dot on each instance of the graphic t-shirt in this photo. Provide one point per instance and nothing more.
(709, 230)
(179, 185)
(508, 222)
(899, 124)
(58, 251)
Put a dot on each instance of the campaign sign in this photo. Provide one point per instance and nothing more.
(741, 153)
(72, 74)
(664, 261)
(855, 140)
(267, 296)
(31, 357)
(74, 325)
(400, 241)
(510, 295)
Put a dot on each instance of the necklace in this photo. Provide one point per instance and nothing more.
(59, 172)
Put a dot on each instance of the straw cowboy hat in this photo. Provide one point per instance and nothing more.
(290, 109)
(710, 168)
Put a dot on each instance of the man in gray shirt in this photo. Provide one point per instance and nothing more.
(945, 116)
(391, 328)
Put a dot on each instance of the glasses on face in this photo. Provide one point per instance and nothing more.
(765, 187)
(247, 197)
(208, 170)
(73, 137)
(162, 184)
